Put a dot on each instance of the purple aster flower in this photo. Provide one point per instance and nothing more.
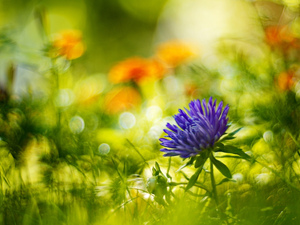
(197, 129)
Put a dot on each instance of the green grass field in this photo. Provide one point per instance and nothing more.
(91, 91)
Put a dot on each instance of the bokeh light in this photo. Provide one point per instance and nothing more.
(76, 124)
(127, 120)
(104, 149)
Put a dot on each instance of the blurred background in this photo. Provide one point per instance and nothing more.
(87, 87)
(120, 29)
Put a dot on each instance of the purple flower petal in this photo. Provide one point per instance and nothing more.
(196, 129)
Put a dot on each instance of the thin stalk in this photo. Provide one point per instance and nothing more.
(214, 191)
(213, 184)
(169, 166)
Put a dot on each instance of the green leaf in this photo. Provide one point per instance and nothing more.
(234, 150)
(190, 162)
(230, 136)
(193, 179)
(154, 172)
(226, 180)
(221, 167)
(184, 175)
(158, 170)
(227, 138)
(201, 159)
(157, 166)
(235, 131)
(202, 186)
(229, 156)
(219, 144)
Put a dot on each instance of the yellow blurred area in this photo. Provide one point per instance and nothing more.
(88, 90)
(175, 52)
(293, 4)
(108, 135)
(261, 147)
(121, 99)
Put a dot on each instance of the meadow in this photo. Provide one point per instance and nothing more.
(116, 112)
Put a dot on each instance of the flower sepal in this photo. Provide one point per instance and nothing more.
(201, 159)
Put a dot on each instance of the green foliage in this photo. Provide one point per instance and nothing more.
(66, 159)
(221, 167)
(193, 179)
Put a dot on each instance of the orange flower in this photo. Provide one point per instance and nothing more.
(278, 35)
(120, 99)
(136, 69)
(156, 70)
(68, 43)
(174, 53)
(286, 80)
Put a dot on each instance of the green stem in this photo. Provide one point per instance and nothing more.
(169, 167)
(214, 191)
(213, 183)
